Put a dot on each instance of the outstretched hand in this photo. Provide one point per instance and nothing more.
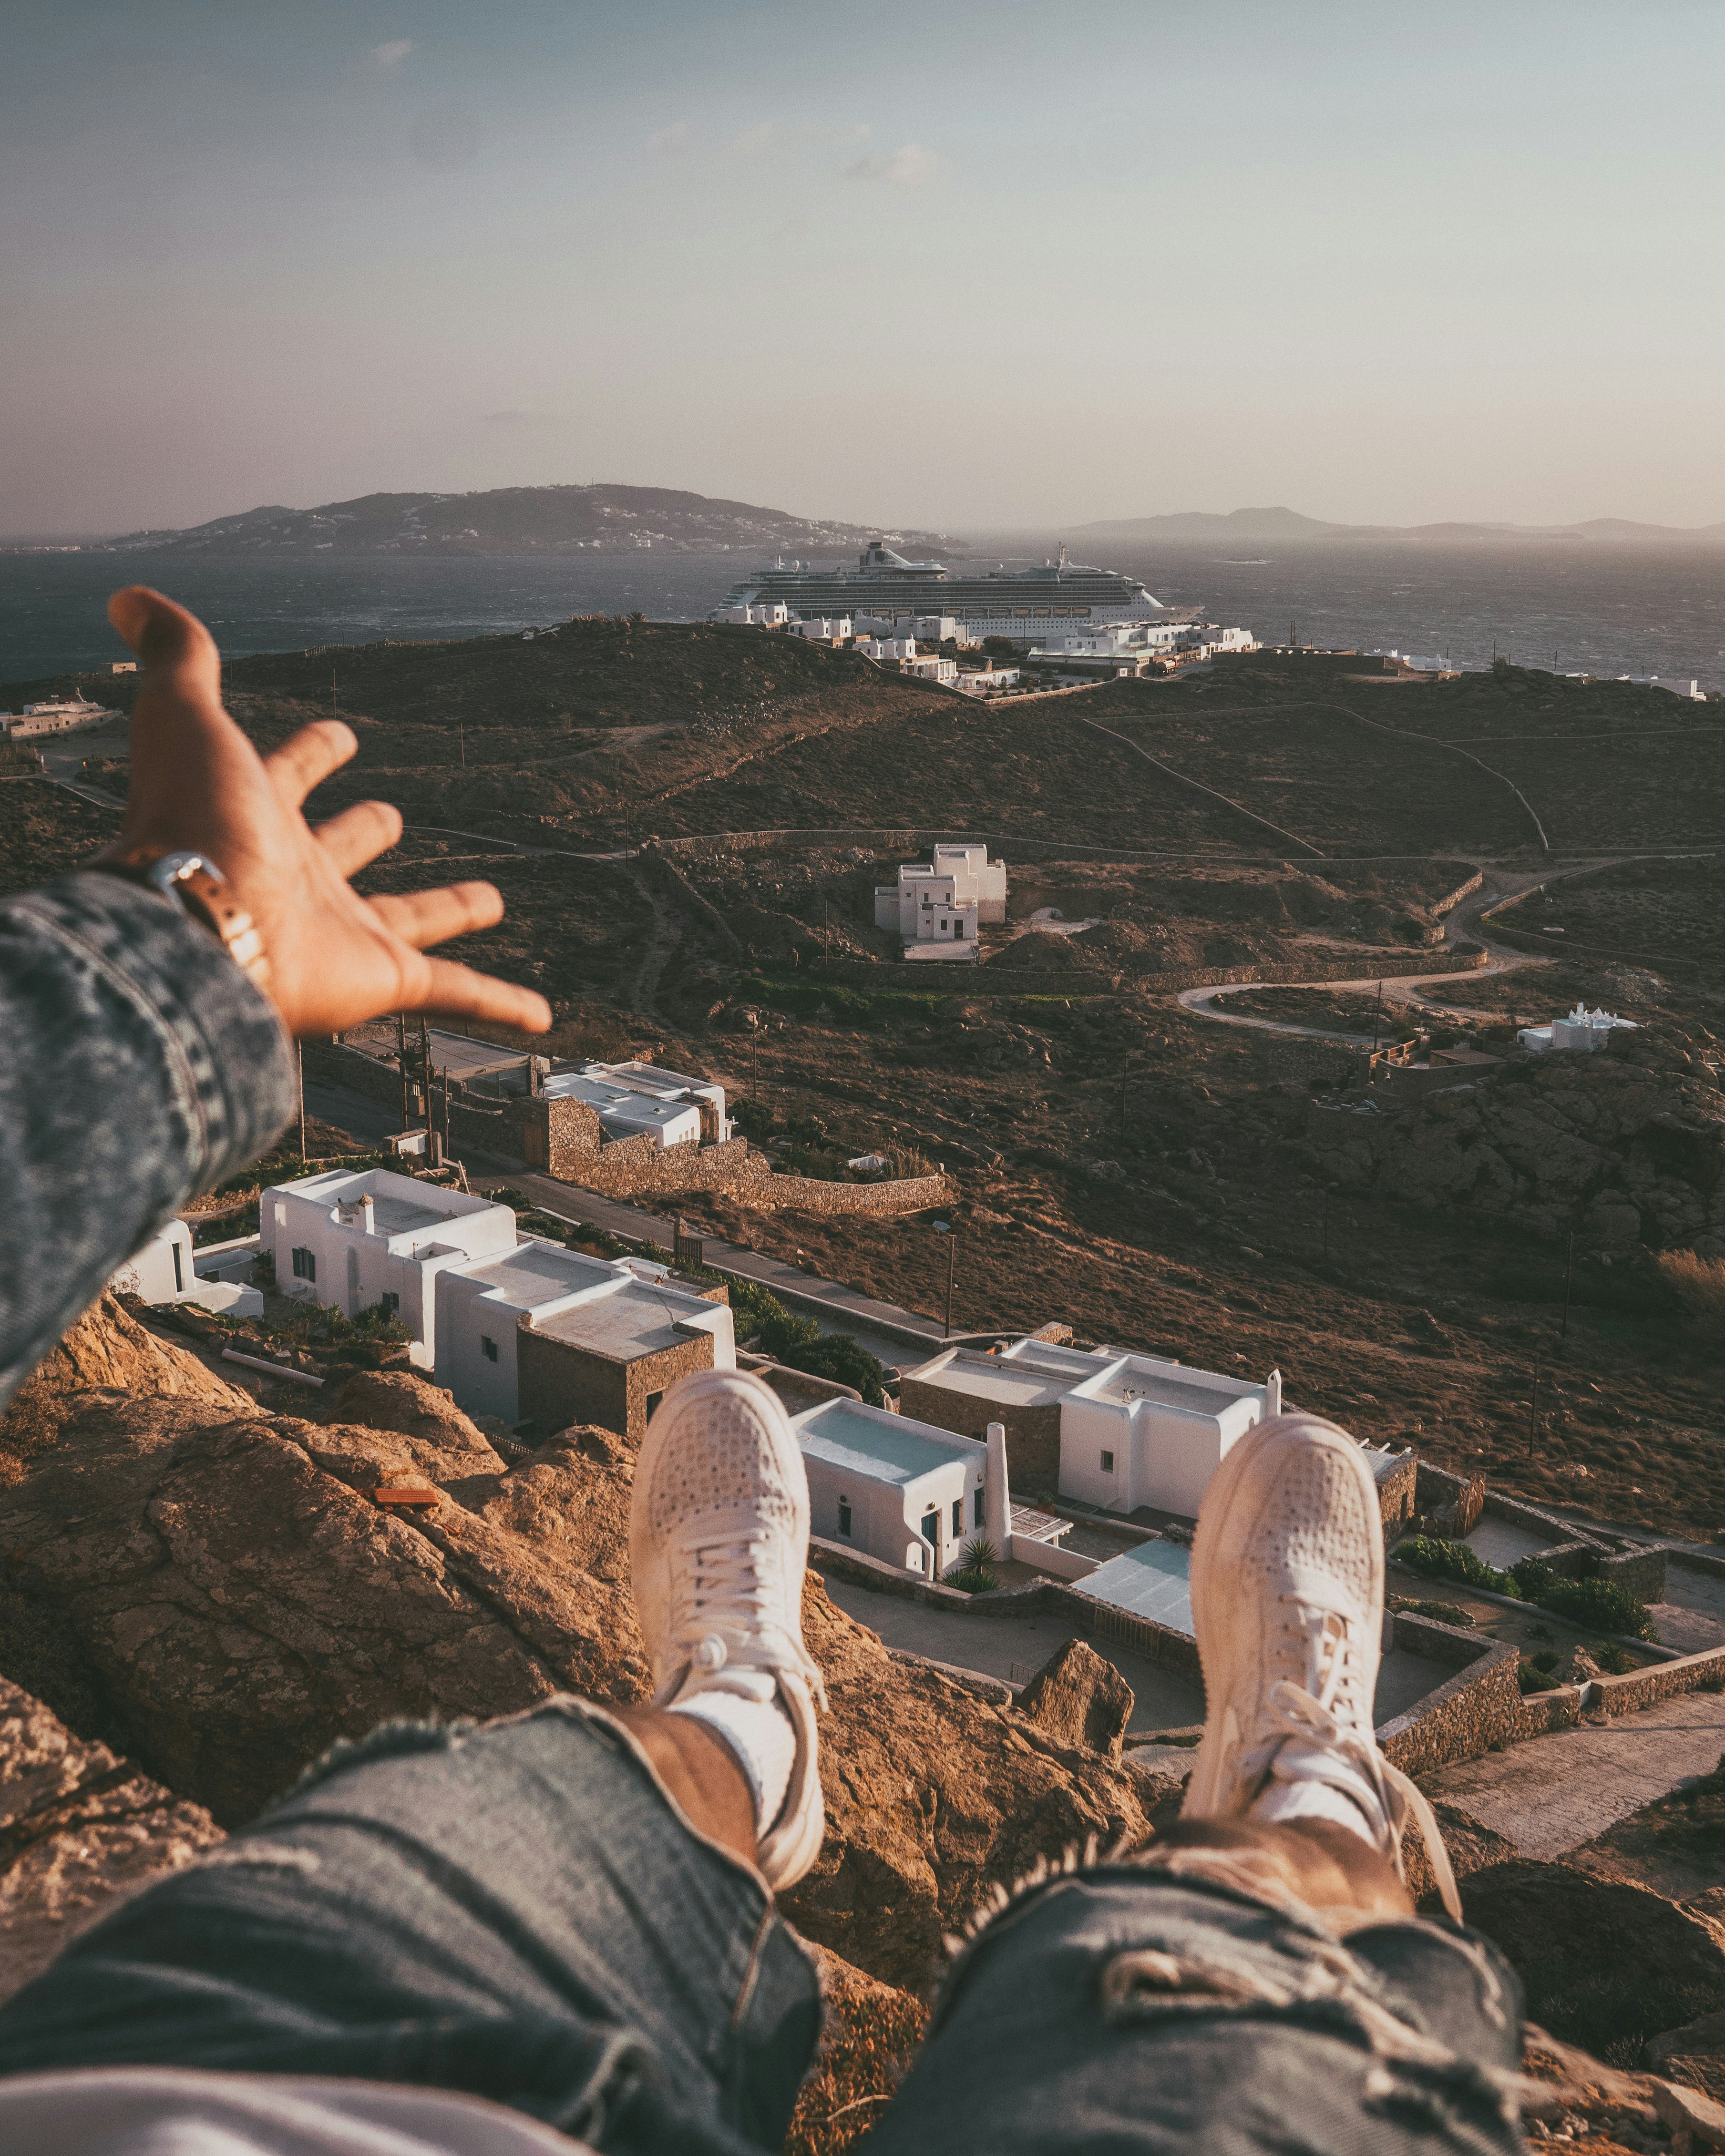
(336, 959)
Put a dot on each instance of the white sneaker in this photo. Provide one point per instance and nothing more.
(1287, 1601)
(718, 1539)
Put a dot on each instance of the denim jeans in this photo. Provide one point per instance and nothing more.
(519, 1912)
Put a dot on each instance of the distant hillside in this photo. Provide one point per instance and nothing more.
(520, 520)
(1287, 525)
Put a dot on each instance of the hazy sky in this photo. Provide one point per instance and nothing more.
(949, 262)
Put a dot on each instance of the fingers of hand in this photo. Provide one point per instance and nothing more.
(168, 639)
(359, 834)
(307, 757)
(440, 985)
(424, 917)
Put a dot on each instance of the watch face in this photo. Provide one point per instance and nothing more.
(173, 868)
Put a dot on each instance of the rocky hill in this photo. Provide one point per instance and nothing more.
(520, 520)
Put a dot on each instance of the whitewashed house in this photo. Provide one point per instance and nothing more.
(167, 1269)
(1116, 1429)
(1585, 1029)
(352, 1240)
(822, 628)
(944, 899)
(906, 1492)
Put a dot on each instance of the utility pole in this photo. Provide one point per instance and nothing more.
(1569, 1273)
(1125, 1080)
(461, 736)
(952, 1266)
(332, 688)
(1326, 1227)
(1378, 1019)
(299, 1048)
(425, 1069)
(1533, 1406)
(401, 1059)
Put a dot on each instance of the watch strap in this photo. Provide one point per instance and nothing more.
(194, 882)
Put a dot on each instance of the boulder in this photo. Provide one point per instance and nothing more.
(79, 1829)
(1079, 1699)
(243, 1606)
(1702, 2039)
(107, 1350)
(1471, 1848)
(1603, 1960)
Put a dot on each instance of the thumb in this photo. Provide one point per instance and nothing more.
(177, 650)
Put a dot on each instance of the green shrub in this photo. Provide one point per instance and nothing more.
(836, 1356)
(753, 1305)
(1531, 1680)
(1600, 1605)
(1442, 1560)
(782, 1335)
(1546, 1660)
(1614, 1661)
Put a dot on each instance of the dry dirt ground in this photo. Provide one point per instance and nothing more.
(1142, 1172)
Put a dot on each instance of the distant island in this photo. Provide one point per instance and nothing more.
(1288, 527)
(519, 519)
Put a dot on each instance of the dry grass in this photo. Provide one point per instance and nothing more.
(1699, 1284)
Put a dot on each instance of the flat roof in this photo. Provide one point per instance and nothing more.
(463, 1057)
(877, 1446)
(1139, 1380)
(656, 1072)
(633, 1319)
(1153, 1580)
(616, 1103)
(535, 1272)
(992, 1378)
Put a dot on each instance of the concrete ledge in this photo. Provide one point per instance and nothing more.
(1641, 1688)
(996, 1691)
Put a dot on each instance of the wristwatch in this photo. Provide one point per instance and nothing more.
(192, 882)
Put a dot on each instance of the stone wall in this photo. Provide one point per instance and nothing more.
(1033, 1434)
(1397, 1501)
(1645, 1687)
(1437, 1492)
(1480, 1706)
(1439, 907)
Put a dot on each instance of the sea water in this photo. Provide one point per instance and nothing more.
(1577, 606)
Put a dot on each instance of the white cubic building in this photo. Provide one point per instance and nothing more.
(766, 615)
(510, 1324)
(1583, 1028)
(902, 1491)
(353, 1240)
(823, 629)
(1116, 1429)
(932, 667)
(167, 1269)
(59, 714)
(944, 899)
(887, 650)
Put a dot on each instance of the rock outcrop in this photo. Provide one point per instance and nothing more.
(240, 1600)
(107, 1350)
(1079, 1699)
(1623, 1146)
(1603, 1960)
(79, 1829)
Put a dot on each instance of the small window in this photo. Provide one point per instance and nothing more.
(958, 1516)
(979, 1521)
(179, 1272)
(845, 1516)
(390, 1305)
(488, 1348)
(1107, 1463)
(305, 1263)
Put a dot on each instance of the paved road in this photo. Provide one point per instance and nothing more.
(886, 1329)
(1553, 1794)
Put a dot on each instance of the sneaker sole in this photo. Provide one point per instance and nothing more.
(1210, 1554)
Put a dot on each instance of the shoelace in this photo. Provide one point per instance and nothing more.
(1308, 1714)
(725, 1594)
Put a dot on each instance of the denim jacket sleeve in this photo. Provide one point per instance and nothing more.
(141, 1066)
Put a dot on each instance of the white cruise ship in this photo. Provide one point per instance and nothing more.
(1026, 605)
